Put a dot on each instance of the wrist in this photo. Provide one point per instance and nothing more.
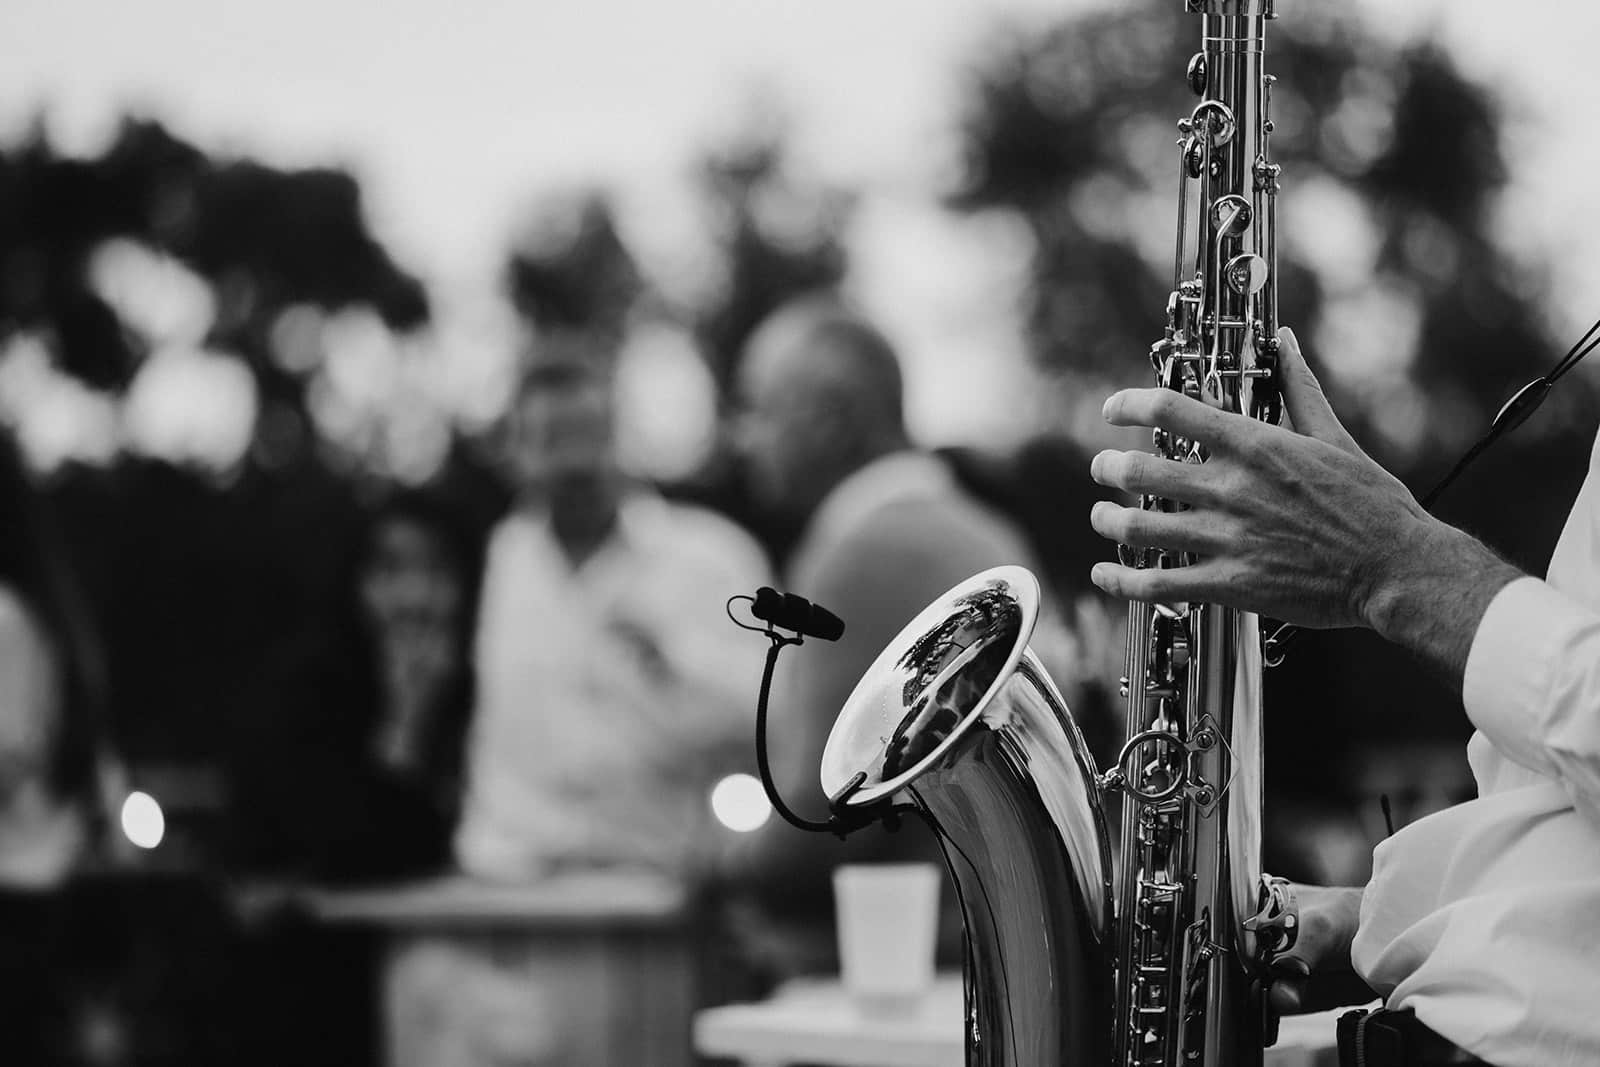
(1394, 579)
(1434, 592)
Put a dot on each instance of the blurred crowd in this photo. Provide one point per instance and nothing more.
(281, 627)
(557, 689)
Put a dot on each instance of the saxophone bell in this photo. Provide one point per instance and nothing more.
(957, 719)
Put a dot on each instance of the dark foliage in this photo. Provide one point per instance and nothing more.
(764, 264)
(191, 580)
(1061, 132)
(777, 238)
(273, 237)
(572, 271)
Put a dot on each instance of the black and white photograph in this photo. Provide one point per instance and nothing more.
(746, 533)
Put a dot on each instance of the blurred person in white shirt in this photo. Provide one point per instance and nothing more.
(613, 691)
(1481, 922)
(52, 754)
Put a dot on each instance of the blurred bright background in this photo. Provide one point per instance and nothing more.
(263, 265)
(458, 123)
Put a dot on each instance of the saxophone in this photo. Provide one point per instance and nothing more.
(1157, 958)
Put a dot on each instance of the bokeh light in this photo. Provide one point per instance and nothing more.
(740, 804)
(55, 416)
(142, 820)
(154, 294)
(191, 406)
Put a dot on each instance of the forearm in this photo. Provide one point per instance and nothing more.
(1435, 595)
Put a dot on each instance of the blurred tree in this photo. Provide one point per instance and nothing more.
(1420, 323)
(776, 235)
(569, 269)
(192, 573)
(271, 238)
(1393, 163)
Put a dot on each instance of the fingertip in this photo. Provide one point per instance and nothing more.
(1116, 409)
(1293, 965)
(1284, 998)
(1288, 341)
(1100, 575)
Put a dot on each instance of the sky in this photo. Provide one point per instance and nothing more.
(456, 117)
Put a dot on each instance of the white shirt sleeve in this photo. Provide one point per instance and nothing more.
(1532, 685)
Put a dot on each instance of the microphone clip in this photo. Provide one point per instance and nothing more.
(804, 619)
(790, 612)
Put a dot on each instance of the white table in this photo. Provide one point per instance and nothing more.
(812, 1021)
(583, 970)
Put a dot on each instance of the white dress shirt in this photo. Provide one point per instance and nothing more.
(1485, 918)
(610, 694)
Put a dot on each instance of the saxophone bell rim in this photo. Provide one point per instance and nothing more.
(870, 723)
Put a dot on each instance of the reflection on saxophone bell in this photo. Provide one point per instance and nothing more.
(957, 717)
(957, 720)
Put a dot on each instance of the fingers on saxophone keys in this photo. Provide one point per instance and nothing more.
(1157, 584)
(1174, 412)
(1145, 473)
(1188, 531)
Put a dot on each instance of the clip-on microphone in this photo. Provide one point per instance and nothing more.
(786, 611)
(790, 612)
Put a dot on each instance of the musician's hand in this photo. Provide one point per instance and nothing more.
(1300, 524)
(1316, 974)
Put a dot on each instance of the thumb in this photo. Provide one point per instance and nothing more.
(1287, 996)
(1308, 407)
(1287, 991)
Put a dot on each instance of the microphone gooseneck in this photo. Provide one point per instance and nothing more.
(787, 611)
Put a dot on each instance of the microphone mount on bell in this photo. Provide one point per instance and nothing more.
(786, 611)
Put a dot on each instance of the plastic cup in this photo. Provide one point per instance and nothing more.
(888, 924)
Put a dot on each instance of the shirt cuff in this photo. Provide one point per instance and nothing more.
(1510, 667)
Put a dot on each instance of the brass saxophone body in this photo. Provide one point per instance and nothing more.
(1152, 953)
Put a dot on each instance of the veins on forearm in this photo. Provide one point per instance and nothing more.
(1433, 602)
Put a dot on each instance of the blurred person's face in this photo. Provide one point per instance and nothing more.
(563, 434)
(411, 581)
(788, 438)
